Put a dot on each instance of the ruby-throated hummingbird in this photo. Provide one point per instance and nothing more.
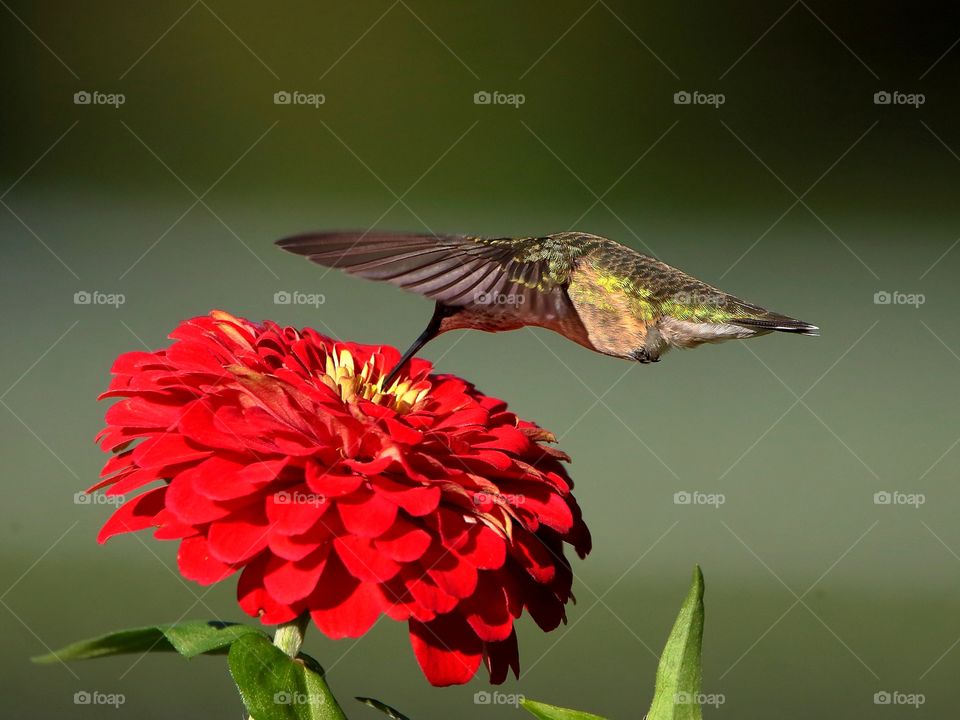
(589, 289)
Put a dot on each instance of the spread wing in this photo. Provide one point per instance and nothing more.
(527, 274)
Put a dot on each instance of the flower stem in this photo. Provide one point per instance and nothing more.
(289, 638)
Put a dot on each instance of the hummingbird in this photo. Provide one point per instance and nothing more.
(594, 291)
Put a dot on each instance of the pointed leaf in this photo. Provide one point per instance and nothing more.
(390, 712)
(135, 640)
(677, 694)
(549, 712)
(276, 687)
(191, 638)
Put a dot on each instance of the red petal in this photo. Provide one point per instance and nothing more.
(297, 547)
(212, 478)
(501, 657)
(288, 581)
(295, 509)
(544, 607)
(240, 536)
(256, 601)
(201, 425)
(342, 606)
(415, 499)
(447, 650)
(196, 563)
(136, 480)
(134, 515)
(451, 573)
(331, 482)
(534, 556)
(402, 432)
(192, 507)
(429, 598)
(138, 412)
(243, 479)
(363, 560)
(404, 542)
(484, 548)
(368, 515)
(166, 449)
(486, 610)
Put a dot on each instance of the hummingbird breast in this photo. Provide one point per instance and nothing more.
(619, 321)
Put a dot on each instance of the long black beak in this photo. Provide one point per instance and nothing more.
(426, 336)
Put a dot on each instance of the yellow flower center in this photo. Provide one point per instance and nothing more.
(342, 376)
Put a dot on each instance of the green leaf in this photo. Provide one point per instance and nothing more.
(677, 694)
(276, 687)
(549, 712)
(207, 636)
(390, 712)
(189, 639)
(137, 640)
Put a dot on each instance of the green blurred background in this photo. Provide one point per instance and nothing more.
(817, 598)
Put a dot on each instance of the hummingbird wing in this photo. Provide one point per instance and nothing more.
(526, 275)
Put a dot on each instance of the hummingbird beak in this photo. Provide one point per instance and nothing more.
(431, 331)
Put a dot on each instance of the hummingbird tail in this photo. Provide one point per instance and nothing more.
(780, 323)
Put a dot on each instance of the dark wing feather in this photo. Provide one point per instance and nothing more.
(453, 269)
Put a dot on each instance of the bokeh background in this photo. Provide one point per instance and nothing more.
(799, 192)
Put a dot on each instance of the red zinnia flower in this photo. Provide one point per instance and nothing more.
(279, 453)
